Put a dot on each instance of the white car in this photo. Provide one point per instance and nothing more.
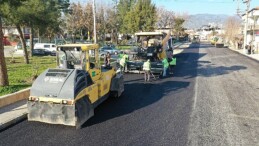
(111, 50)
(47, 46)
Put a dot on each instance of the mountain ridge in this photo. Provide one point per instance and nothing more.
(198, 20)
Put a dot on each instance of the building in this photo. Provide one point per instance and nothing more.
(12, 31)
(252, 27)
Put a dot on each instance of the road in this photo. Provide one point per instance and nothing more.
(212, 99)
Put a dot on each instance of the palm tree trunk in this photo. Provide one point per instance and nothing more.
(3, 69)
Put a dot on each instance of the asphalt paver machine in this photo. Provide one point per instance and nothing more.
(152, 46)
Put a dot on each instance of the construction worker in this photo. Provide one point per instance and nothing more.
(170, 60)
(146, 68)
(121, 54)
(107, 59)
(126, 56)
(122, 63)
(165, 65)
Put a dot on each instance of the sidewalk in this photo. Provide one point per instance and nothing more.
(12, 114)
(241, 51)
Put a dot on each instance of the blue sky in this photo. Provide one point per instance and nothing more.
(227, 7)
(204, 6)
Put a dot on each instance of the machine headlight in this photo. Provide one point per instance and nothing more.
(31, 98)
(68, 102)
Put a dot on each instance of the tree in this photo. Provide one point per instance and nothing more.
(80, 19)
(3, 69)
(12, 13)
(124, 7)
(178, 26)
(102, 21)
(32, 13)
(146, 13)
(232, 26)
(47, 17)
(139, 16)
(165, 18)
(88, 18)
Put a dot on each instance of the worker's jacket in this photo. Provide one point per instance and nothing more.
(173, 62)
(120, 56)
(165, 63)
(123, 61)
(146, 66)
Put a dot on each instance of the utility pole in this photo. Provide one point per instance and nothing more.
(238, 9)
(95, 38)
(117, 25)
(247, 2)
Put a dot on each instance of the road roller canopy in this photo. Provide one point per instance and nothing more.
(82, 47)
(148, 39)
(78, 56)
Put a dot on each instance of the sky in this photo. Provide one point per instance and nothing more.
(228, 7)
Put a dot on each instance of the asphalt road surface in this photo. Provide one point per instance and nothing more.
(211, 99)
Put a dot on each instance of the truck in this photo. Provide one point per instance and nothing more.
(69, 94)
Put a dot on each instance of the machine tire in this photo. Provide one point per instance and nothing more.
(78, 127)
(114, 94)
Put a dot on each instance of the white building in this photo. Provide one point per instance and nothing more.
(12, 30)
(252, 27)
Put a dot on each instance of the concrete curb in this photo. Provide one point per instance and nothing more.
(14, 97)
(13, 121)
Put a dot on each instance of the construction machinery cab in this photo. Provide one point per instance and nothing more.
(78, 56)
(152, 46)
(155, 44)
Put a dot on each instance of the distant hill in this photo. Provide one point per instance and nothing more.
(196, 21)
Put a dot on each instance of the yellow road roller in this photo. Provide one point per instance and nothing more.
(69, 93)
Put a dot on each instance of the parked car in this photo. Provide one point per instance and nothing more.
(50, 48)
(47, 46)
(111, 50)
(102, 54)
(43, 52)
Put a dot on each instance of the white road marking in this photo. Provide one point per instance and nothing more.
(244, 117)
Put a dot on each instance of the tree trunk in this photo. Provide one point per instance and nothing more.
(31, 40)
(3, 69)
(81, 35)
(39, 39)
(112, 36)
(26, 58)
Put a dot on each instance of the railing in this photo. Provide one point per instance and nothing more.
(253, 27)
